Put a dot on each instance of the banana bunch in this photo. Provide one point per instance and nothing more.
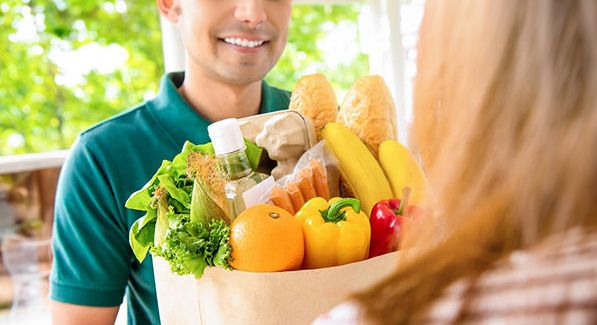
(402, 170)
(358, 166)
(370, 180)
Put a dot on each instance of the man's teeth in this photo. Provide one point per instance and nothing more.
(242, 42)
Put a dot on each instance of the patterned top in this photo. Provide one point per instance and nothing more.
(552, 283)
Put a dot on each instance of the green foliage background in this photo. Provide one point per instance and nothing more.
(49, 115)
(302, 53)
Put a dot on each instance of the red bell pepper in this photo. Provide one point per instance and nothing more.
(387, 219)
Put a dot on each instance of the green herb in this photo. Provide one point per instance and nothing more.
(190, 247)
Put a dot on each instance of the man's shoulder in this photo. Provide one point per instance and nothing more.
(120, 124)
(121, 150)
(130, 132)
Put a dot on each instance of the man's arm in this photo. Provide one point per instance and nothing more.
(67, 314)
(91, 266)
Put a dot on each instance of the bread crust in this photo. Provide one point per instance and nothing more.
(369, 111)
(314, 97)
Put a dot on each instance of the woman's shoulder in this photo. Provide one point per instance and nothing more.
(555, 281)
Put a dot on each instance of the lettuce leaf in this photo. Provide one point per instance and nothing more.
(141, 199)
(190, 247)
(253, 151)
(174, 192)
(142, 234)
(253, 154)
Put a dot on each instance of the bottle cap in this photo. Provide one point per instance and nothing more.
(226, 136)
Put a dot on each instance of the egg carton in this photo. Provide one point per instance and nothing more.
(285, 136)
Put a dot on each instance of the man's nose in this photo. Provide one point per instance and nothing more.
(250, 12)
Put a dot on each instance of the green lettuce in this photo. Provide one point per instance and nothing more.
(190, 247)
(180, 224)
(142, 233)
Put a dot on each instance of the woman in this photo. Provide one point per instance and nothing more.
(506, 125)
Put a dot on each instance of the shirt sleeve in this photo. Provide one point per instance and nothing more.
(90, 238)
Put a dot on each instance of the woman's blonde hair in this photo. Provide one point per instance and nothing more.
(506, 125)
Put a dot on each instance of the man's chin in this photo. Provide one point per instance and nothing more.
(241, 76)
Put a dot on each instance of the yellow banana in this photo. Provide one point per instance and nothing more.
(402, 170)
(357, 166)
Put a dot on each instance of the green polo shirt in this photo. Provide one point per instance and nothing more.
(93, 263)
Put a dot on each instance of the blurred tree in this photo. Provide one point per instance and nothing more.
(322, 38)
(46, 96)
(67, 64)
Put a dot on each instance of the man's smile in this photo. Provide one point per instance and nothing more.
(243, 42)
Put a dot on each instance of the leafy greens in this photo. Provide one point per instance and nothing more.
(182, 224)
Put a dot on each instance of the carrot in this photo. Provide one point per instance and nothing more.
(296, 197)
(320, 179)
(305, 183)
(281, 198)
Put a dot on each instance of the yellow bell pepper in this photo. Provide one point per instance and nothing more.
(336, 232)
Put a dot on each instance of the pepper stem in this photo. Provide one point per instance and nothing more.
(334, 213)
(404, 202)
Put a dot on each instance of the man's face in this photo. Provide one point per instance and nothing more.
(234, 41)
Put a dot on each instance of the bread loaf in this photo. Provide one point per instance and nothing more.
(314, 97)
(369, 111)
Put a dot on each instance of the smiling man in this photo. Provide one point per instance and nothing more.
(230, 45)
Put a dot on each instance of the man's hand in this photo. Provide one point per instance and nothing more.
(66, 314)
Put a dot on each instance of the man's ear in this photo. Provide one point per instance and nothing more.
(170, 9)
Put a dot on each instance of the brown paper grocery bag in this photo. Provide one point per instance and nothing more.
(236, 297)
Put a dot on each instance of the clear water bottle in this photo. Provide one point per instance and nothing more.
(229, 145)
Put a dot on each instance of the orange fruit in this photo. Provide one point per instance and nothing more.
(266, 238)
